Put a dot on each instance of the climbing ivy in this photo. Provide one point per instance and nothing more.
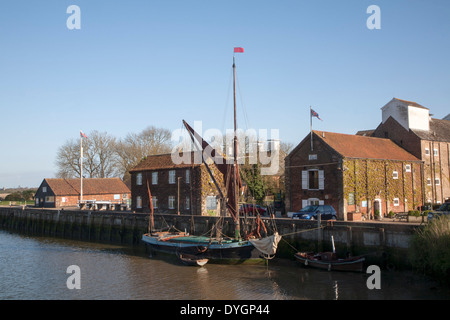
(368, 179)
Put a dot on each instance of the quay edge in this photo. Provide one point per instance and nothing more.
(384, 244)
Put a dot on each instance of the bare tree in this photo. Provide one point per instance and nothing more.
(68, 160)
(134, 147)
(98, 157)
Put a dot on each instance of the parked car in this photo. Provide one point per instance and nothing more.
(250, 209)
(443, 210)
(310, 213)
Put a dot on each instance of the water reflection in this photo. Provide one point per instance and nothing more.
(35, 268)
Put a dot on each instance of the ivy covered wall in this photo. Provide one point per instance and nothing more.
(396, 185)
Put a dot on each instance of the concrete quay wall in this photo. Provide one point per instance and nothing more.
(385, 244)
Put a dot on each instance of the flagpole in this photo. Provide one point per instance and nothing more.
(310, 126)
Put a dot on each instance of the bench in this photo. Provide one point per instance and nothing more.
(401, 216)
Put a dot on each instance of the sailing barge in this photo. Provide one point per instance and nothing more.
(231, 250)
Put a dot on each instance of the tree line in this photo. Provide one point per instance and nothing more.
(106, 156)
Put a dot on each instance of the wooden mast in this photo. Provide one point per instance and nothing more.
(235, 166)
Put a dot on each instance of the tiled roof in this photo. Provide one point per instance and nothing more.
(162, 161)
(356, 146)
(91, 186)
(411, 103)
(439, 131)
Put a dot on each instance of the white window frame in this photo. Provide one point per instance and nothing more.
(44, 189)
(437, 181)
(428, 181)
(188, 203)
(139, 179)
(312, 202)
(408, 168)
(395, 174)
(171, 202)
(312, 157)
(211, 203)
(435, 152)
(188, 176)
(427, 151)
(155, 202)
(396, 202)
(139, 202)
(305, 179)
(172, 175)
(155, 177)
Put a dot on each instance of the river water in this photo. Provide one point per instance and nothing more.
(36, 268)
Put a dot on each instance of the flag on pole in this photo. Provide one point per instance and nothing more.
(238, 49)
(315, 114)
(82, 134)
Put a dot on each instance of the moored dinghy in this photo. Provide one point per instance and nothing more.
(192, 260)
(329, 261)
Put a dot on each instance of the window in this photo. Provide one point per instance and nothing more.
(313, 157)
(428, 182)
(139, 179)
(435, 152)
(408, 168)
(125, 196)
(188, 203)
(154, 177)
(211, 203)
(188, 173)
(49, 199)
(63, 199)
(396, 202)
(154, 202)
(313, 179)
(395, 175)
(312, 202)
(351, 198)
(138, 202)
(437, 181)
(171, 202)
(427, 151)
(313, 182)
(117, 197)
(172, 176)
(44, 189)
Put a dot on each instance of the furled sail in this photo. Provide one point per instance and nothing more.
(267, 245)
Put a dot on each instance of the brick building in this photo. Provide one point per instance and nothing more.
(58, 193)
(410, 126)
(352, 173)
(186, 187)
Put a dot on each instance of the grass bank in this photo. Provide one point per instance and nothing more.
(431, 249)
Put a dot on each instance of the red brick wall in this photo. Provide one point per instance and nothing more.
(435, 166)
(72, 201)
(162, 190)
(328, 161)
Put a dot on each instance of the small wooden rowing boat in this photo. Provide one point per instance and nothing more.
(329, 261)
(191, 260)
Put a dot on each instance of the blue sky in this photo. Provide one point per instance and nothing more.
(139, 63)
